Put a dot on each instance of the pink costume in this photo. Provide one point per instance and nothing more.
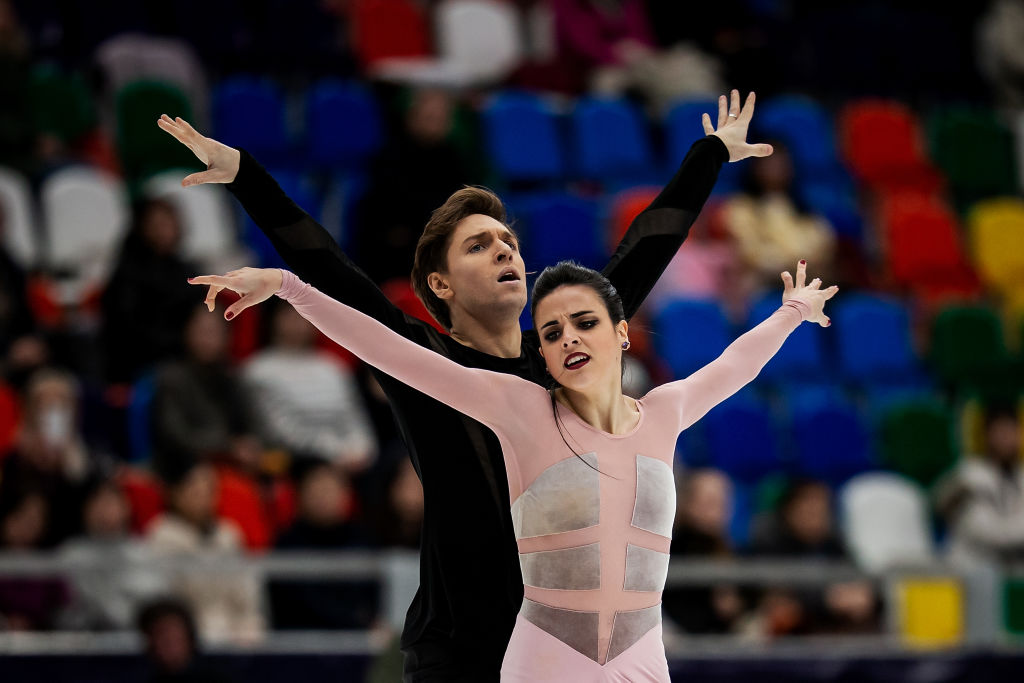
(593, 546)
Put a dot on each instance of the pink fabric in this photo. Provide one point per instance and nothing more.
(631, 465)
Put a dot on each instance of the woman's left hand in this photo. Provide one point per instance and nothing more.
(254, 285)
(812, 293)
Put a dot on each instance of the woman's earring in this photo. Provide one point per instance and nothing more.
(625, 345)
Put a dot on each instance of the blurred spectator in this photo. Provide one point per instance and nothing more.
(147, 301)
(28, 603)
(982, 500)
(307, 401)
(226, 603)
(111, 578)
(423, 164)
(703, 510)
(324, 523)
(21, 350)
(397, 513)
(802, 528)
(1000, 50)
(770, 226)
(172, 644)
(611, 44)
(200, 410)
(49, 454)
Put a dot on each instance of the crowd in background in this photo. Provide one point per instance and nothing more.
(136, 424)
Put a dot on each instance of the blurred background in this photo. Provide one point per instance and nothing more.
(184, 499)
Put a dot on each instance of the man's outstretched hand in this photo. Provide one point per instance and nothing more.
(221, 161)
(732, 127)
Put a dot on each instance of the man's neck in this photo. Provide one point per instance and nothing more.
(504, 339)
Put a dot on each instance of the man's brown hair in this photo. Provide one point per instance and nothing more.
(432, 248)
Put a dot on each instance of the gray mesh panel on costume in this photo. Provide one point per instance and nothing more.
(578, 630)
(655, 506)
(630, 627)
(646, 570)
(577, 569)
(566, 496)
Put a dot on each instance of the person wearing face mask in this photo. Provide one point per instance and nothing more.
(50, 455)
(589, 469)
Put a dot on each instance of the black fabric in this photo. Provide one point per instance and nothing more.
(460, 621)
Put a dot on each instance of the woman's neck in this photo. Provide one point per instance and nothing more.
(608, 411)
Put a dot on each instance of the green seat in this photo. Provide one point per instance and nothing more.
(975, 151)
(144, 148)
(1013, 606)
(917, 440)
(61, 104)
(968, 349)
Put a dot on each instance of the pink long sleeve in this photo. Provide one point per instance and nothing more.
(738, 365)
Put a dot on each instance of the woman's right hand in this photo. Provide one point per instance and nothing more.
(812, 293)
(221, 161)
(253, 285)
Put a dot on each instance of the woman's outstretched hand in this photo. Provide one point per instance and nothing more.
(812, 293)
(253, 285)
(221, 161)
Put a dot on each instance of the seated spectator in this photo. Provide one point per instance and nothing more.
(226, 604)
(982, 500)
(49, 454)
(27, 603)
(172, 644)
(324, 523)
(426, 167)
(200, 410)
(802, 528)
(306, 400)
(396, 515)
(701, 530)
(147, 301)
(112, 577)
(770, 227)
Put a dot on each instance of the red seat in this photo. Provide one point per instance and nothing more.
(239, 499)
(384, 29)
(626, 206)
(10, 418)
(883, 144)
(145, 496)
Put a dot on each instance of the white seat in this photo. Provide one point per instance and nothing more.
(483, 36)
(885, 521)
(19, 219)
(208, 222)
(86, 215)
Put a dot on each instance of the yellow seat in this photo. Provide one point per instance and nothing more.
(996, 228)
(931, 611)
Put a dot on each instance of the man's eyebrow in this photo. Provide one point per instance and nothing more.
(476, 236)
(571, 315)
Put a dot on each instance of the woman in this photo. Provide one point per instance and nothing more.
(589, 469)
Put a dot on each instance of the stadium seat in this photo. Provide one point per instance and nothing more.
(689, 334)
(143, 147)
(522, 137)
(916, 440)
(145, 496)
(610, 140)
(873, 339)
(884, 518)
(806, 128)
(10, 416)
(996, 231)
(683, 127)
(239, 499)
(61, 104)
(389, 29)
(801, 357)
(19, 219)
(931, 611)
(1013, 605)
(250, 113)
(479, 37)
(832, 441)
(741, 439)
(343, 124)
(86, 215)
(559, 227)
(975, 152)
(624, 208)
(967, 345)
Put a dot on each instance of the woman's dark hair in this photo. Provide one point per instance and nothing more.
(571, 273)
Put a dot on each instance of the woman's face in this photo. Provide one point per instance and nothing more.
(580, 345)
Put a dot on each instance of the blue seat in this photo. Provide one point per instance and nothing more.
(250, 113)
(140, 431)
(522, 137)
(561, 227)
(689, 334)
(805, 126)
(801, 357)
(834, 198)
(741, 438)
(611, 143)
(343, 126)
(873, 340)
(832, 442)
(683, 127)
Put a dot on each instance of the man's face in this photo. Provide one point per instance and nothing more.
(485, 275)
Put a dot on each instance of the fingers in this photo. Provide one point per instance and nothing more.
(801, 273)
(748, 107)
(761, 150)
(734, 103)
(187, 126)
(831, 292)
(211, 297)
(723, 110)
(216, 280)
(815, 283)
(706, 122)
(199, 178)
(166, 124)
(239, 306)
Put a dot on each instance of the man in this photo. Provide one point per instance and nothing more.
(469, 274)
